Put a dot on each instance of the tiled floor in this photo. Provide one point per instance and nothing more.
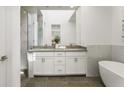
(64, 81)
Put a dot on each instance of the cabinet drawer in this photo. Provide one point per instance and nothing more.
(59, 60)
(44, 54)
(59, 69)
(59, 53)
(79, 54)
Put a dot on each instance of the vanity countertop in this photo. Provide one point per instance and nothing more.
(58, 50)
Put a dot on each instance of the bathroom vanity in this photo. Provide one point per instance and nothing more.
(54, 62)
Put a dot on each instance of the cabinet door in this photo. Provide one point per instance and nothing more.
(48, 65)
(38, 66)
(43, 66)
(75, 65)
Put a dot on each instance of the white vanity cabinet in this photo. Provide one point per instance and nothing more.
(57, 63)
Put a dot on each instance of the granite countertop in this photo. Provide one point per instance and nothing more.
(84, 49)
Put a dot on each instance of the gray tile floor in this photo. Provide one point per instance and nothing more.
(63, 81)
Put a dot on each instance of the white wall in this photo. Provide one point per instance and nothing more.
(99, 26)
(96, 25)
(58, 17)
(117, 17)
(117, 41)
(79, 23)
(94, 30)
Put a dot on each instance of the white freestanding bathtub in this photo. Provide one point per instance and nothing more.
(112, 73)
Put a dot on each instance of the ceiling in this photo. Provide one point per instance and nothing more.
(35, 8)
(56, 7)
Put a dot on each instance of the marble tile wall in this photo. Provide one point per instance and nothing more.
(95, 54)
(118, 53)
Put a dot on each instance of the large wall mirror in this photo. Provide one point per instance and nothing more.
(53, 25)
